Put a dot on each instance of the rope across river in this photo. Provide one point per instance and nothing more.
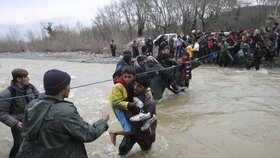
(103, 81)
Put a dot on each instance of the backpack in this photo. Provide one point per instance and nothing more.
(13, 94)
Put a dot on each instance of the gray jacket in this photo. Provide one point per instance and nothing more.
(11, 111)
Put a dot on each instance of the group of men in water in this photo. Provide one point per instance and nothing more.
(48, 125)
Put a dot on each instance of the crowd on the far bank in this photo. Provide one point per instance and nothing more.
(236, 48)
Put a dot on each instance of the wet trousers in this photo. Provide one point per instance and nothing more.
(17, 142)
(128, 142)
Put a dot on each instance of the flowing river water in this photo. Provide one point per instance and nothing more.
(226, 112)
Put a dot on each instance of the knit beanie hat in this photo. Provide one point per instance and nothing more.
(55, 81)
(127, 58)
(143, 79)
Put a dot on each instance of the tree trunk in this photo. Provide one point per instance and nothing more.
(195, 19)
(141, 26)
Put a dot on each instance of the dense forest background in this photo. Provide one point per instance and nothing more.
(125, 20)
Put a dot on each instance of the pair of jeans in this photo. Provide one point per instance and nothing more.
(17, 142)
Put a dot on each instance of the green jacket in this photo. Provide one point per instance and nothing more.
(54, 128)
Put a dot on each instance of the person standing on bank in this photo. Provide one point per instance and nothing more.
(11, 111)
(53, 126)
(113, 48)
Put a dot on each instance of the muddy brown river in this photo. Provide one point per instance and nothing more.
(226, 112)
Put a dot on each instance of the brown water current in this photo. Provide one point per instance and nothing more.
(226, 112)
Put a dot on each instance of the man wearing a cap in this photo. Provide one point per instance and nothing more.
(11, 110)
(53, 126)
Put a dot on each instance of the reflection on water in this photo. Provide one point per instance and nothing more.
(227, 112)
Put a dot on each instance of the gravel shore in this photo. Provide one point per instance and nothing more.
(87, 57)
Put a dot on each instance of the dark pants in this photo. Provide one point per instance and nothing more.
(135, 53)
(255, 63)
(169, 79)
(178, 49)
(278, 45)
(17, 142)
(171, 51)
(195, 54)
(128, 142)
(113, 52)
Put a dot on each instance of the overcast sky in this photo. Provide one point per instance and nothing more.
(25, 15)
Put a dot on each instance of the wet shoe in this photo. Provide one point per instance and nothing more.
(172, 90)
(140, 116)
(182, 89)
(175, 86)
(139, 103)
(148, 123)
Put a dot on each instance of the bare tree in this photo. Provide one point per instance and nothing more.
(209, 11)
(102, 24)
(142, 10)
(182, 14)
(127, 8)
(48, 27)
(163, 14)
(123, 20)
(110, 21)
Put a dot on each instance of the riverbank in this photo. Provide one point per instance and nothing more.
(87, 57)
(91, 57)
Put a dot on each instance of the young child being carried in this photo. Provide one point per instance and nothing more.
(147, 109)
(147, 116)
(121, 101)
(146, 121)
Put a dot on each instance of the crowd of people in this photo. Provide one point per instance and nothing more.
(163, 71)
(171, 69)
(135, 91)
(47, 124)
(247, 48)
(171, 65)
